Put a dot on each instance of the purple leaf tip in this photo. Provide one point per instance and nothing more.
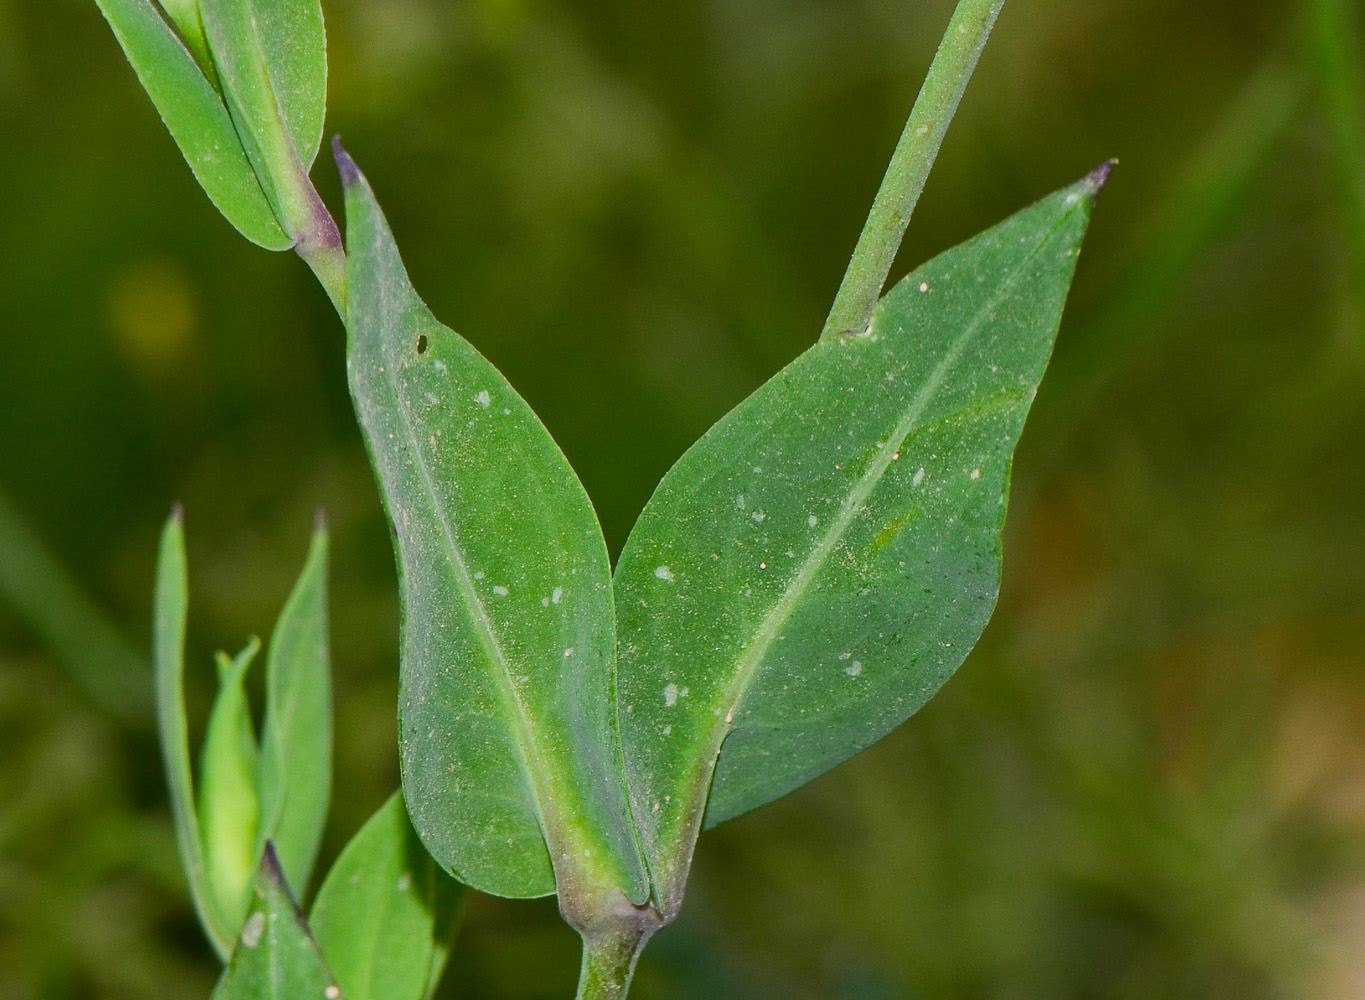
(350, 173)
(320, 518)
(178, 512)
(1098, 177)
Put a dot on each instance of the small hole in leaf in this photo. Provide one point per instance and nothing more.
(422, 344)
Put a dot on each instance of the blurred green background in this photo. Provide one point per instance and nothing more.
(1149, 779)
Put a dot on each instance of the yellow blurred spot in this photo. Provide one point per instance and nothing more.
(153, 313)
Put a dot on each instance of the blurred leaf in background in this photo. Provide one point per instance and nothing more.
(1149, 779)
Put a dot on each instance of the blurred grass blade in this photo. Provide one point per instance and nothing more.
(1334, 33)
(296, 735)
(82, 638)
(168, 653)
(507, 709)
(229, 807)
(276, 957)
(384, 914)
(1209, 189)
(822, 560)
(196, 118)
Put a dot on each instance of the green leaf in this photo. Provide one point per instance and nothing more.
(229, 808)
(170, 607)
(385, 913)
(184, 14)
(823, 559)
(196, 118)
(271, 60)
(296, 734)
(276, 957)
(507, 704)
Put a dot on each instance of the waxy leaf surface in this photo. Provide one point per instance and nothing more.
(272, 63)
(196, 117)
(823, 559)
(507, 707)
(296, 735)
(386, 912)
(276, 957)
(170, 608)
(229, 805)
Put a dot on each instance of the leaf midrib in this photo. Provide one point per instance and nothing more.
(527, 751)
(767, 633)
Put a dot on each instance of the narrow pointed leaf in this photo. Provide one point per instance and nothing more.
(271, 61)
(184, 14)
(823, 559)
(294, 39)
(276, 957)
(170, 609)
(507, 703)
(296, 734)
(384, 914)
(229, 808)
(196, 118)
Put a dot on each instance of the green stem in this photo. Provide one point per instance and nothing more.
(910, 165)
(608, 965)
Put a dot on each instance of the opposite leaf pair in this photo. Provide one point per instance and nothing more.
(242, 87)
(805, 578)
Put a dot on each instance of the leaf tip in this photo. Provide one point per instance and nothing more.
(178, 513)
(271, 871)
(350, 173)
(1099, 177)
(320, 520)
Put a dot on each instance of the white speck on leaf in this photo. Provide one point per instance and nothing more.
(500, 591)
(976, 473)
(739, 501)
(853, 669)
(556, 594)
(923, 287)
(483, 399)
(568, 652)
(404, 882)
(812, 520)
(440, 366)
(671, 695)
(253, 929)
(919, 477)
(332, 992)
(478, 575)
(664, 573)
(760, 516)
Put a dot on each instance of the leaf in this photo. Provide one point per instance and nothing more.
(507, 707)
(276, 957)
(184, 14)
(170, 607)
(271, 59)
(385, 912)
(229, 808)
(296, 734)
(196, 118)
(822, 560)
